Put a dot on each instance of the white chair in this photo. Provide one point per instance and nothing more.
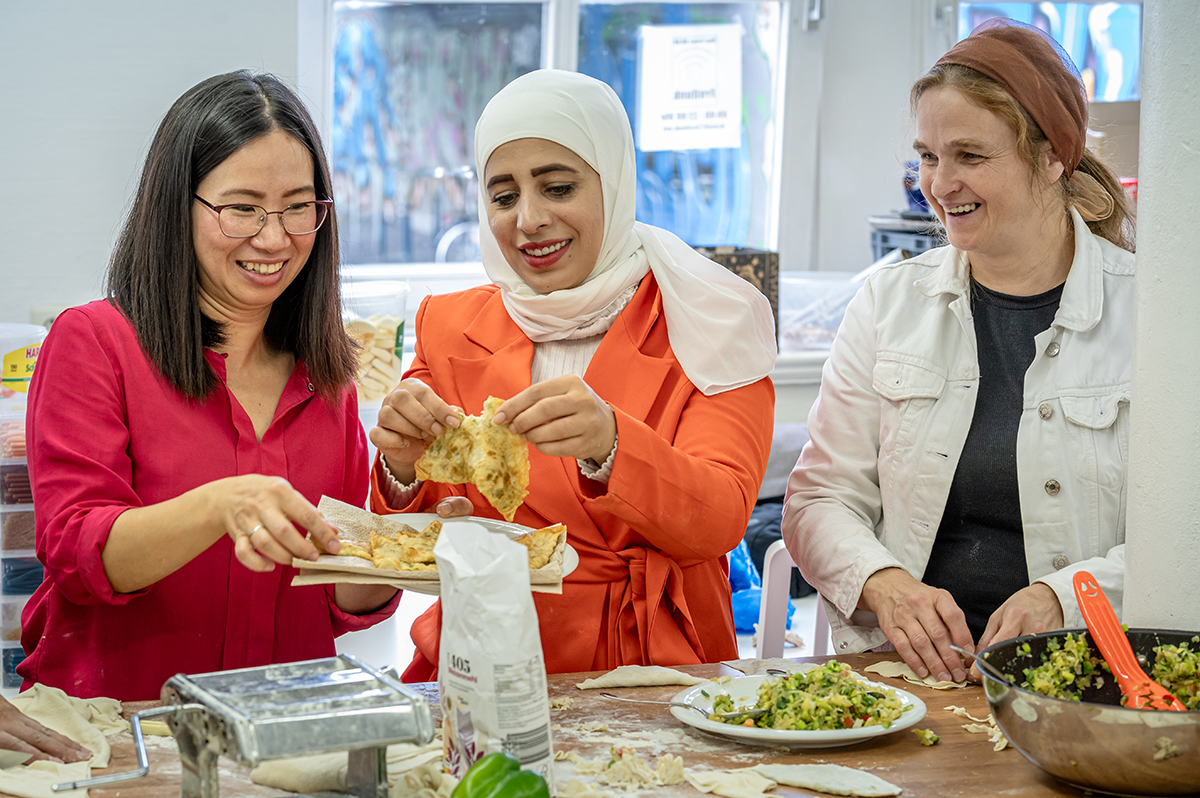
(772, 610)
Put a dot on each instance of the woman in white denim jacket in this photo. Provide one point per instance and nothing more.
(1027, 213)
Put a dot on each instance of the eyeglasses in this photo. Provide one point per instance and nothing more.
(246, 221)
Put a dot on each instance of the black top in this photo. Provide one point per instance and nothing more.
(979, 552)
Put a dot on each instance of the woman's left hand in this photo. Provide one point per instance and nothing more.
(562, 417)
(1027, 612)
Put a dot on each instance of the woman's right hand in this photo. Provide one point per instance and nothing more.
(412, 416)
(264, 515)
(920, 621)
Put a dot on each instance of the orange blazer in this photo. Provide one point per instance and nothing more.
(652, 584)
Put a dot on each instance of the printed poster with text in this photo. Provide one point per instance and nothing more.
(689, 87)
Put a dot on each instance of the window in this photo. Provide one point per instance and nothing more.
(709, 195)
(1103, 39)
(410, 80)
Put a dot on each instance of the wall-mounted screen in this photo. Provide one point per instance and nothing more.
(1103, 39)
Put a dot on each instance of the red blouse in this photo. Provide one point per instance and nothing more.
(107, 432)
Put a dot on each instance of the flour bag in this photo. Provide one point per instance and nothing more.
(491, 671)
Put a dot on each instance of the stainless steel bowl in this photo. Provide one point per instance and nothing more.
(1096, 744)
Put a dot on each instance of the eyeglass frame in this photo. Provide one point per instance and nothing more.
(328, 204)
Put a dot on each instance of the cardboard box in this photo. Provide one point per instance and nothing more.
(755, 266)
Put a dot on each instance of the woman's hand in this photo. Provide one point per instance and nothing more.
(24, 734)
(261, 514)
(1027, 612)
(562, 417)
(412, 416)
(920, 621)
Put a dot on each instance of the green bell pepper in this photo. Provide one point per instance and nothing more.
(499, 775)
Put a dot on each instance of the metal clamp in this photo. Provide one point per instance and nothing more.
(139, 744)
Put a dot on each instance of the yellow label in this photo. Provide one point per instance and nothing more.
(18, 367)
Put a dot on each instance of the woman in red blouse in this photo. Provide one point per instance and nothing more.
(182, 430)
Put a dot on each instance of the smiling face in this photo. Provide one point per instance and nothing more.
(979, 186)
(241, 276)
(546, 210)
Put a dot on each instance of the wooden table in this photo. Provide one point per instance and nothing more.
(961, 764)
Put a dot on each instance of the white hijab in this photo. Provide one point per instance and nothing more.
(719, 325)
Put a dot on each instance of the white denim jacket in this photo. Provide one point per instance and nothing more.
(897, 397)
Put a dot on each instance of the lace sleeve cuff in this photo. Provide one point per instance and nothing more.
(394, 493)
(602, 471)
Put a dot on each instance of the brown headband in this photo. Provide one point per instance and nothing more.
(1030, 68)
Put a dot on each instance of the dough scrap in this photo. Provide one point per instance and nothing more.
(743, 783)
(577, 789)
(900, 670)
(832, 779)
(35, 779)
(628, 770)
(982, 726)
(561, 703)
(639, 676)
(85, 720)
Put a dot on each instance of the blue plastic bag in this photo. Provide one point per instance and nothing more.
(747, 590)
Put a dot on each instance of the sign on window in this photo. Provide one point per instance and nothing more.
(689, 87)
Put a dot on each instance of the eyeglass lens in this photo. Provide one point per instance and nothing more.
(243, 221)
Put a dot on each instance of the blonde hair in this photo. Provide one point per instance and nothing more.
(1093, 189)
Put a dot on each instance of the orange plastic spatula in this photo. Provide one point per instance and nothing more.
(1141, 692)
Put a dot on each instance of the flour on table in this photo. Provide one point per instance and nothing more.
(832, 779)
(639, 676)
(35, 779)
(900, 670)
(744, 783)
(591, 726)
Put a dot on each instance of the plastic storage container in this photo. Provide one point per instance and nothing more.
(19, 347)
(811, 307)
(374, 315)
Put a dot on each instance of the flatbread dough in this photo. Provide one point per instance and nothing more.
(35, 779)
(832, 779)
(327, 772)
(900, 670)
(541, 544)
(744, 783)
(486, 455)
(639, 676)
(84, 720)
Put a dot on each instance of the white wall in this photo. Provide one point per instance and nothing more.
(83, 85)
(845, 128)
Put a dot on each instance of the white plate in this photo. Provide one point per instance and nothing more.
(744, 691)
(419, 521)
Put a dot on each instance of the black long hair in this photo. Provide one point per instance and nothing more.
(153, 276)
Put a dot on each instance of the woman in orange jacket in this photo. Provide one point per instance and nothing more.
(635, 367)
